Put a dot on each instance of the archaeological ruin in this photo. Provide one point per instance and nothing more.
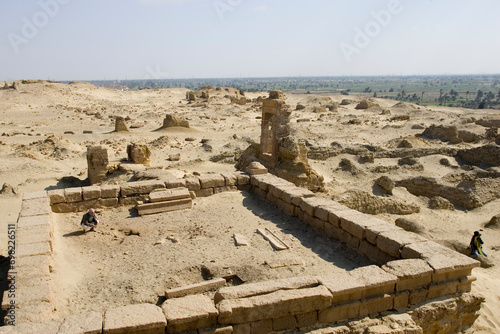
(412, 285)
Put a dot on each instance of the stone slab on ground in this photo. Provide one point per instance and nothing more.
(138, 318)
(169, 195)
(32, 221)
(88, 323)
(192, 289)
(35, 207)
(141, 187)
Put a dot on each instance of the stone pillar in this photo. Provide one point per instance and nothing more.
(275, 125)
(120, 124)
(97, 162)
(139, 154)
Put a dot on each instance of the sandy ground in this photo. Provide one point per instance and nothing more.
(31, 161)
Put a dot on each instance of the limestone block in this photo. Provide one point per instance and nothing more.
(218, 330)
(423, 250)
(212, 181)
(261, 288)
(324, 211)
(218, 190)
(418, 296)
(204, 192)
(33, 221)
(141, 187)
(110, 191)
(376, 281)
(92, 192)
(29, 295)
(337, 313)
(442, 289)
(356, 222)
(175, 183)
(412, 273)
(39, 248)
(349, 240)
(37, 265)
(256, 168)
(35, 195)
(274, 305)
(195, 288)
(138, 318)
(193, 183)
(373, 253)
(261, 327)
(56, 196)
(107, 202)
(37, 229)
(343, 287)
(315, 223)
(88, 323)
(66, 207)
(132, 200)
(372, 232)
(243, 179)
(392, 242)
(152, 208)
(46, 327)
(242, 329)
(401, 300)
(31, 236)
(377, 305)
(35, 207)
(189, 313)
(296, 193)
(309, 204)
(231, 179)
(333, 231)
(287, 209)
(169, 195)
(306, 320)
(260, 193)
(465, 284)
(73, 195)
(286, 323)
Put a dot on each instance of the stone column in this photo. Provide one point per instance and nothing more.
(97, 162)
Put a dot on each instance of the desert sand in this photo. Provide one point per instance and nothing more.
(43, 146)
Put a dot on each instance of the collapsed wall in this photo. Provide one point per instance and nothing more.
(412, 271)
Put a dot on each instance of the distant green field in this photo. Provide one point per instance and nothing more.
(471, 91)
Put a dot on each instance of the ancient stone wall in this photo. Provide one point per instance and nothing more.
(97, 164)
(412, 270)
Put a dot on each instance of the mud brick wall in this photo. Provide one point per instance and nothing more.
(80, 199)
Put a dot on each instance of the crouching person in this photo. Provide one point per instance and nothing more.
(89, 221)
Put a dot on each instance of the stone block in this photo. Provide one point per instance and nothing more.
(218, 190)
(46, 327)
(173, 183)
(356, 222)
(392, 242)
(31, 236)
(294, 195)
(465, 284)
(288, 209)
(307, 320)
(110, 191)
(261, 288)
(66, 207)
(418, 296)
(35, 207)
(132, 200)
(401, 300)
(315, 223)
(337, 313)
(34, 195)
(274, 305)
(343, 287)
(138, 318)
(373, 253)
(92, 192)
(231, 179)
(56, 196)
(29, 295)
(37, 265)
(73, 195)
(88, 323)
(140, 187)
(217, 330)
(333, 231)
(243, 179)
(261, 327)
(195, 288)
(107, 202)
(169, 195)
(372, 232)
(309, 204)
(412, 273)
(34, 221)
(242, 329)
(260, 193)
(152, 208)
(286, 323)
(350, 240)
(193, 183)
(442, 289)
(376, 305)
(204, 192)
(212, 181)
(189, 313)
(376, 281)
(39, 248)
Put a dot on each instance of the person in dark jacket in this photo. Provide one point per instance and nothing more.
(89, 221)
(476, 245)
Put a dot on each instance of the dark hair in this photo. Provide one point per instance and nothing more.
(477, 233)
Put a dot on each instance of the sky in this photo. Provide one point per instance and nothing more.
(169, 39)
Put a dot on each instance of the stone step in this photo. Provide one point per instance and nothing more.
(152, 208)
(169, 195)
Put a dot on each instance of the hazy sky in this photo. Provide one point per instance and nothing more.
(136, 39)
